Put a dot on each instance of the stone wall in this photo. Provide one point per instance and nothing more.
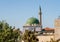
(43, 38)
(57, 29)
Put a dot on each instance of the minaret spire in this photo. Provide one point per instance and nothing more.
(40, 16)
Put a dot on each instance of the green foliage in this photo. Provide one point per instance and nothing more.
(7, 33)
(29, 36)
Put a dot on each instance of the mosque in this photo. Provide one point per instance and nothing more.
(43, 34)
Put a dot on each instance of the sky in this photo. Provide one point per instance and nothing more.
(16, 12)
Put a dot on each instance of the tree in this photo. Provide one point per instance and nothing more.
(29, 36)
(7, 33)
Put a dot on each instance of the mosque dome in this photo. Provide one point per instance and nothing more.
(32, 20)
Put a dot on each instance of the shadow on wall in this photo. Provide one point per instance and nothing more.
(58, 40)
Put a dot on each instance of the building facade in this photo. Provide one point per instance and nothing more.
(34, 24)
(43, 34)
(57, 29)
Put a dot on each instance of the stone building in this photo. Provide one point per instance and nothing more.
(33, 24)
(43, 34)
(57, 29)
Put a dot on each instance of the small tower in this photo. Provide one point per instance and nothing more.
(40, 17)
(57, 28)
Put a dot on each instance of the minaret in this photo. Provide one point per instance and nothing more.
(40, 17)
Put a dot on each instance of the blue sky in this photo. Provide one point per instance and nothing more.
(16, 12)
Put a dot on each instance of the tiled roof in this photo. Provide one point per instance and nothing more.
(48, 29)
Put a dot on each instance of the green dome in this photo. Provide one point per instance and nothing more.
(32, 20)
